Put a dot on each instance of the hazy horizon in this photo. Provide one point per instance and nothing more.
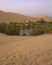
(27, 7)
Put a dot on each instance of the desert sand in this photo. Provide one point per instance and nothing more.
(26, 50)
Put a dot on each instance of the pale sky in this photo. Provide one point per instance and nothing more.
(27, 7)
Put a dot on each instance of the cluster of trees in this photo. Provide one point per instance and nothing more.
(39, 28)
(42, 27)
(9, 29)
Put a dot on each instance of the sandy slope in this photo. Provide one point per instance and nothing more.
(16, 50)
(16, 17)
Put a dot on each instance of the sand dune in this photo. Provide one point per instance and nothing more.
(32, 50)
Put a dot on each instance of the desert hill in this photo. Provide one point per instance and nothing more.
(15, 17)
(47, 18)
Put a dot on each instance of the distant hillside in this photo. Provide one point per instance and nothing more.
(47, 18)
(15, 17)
